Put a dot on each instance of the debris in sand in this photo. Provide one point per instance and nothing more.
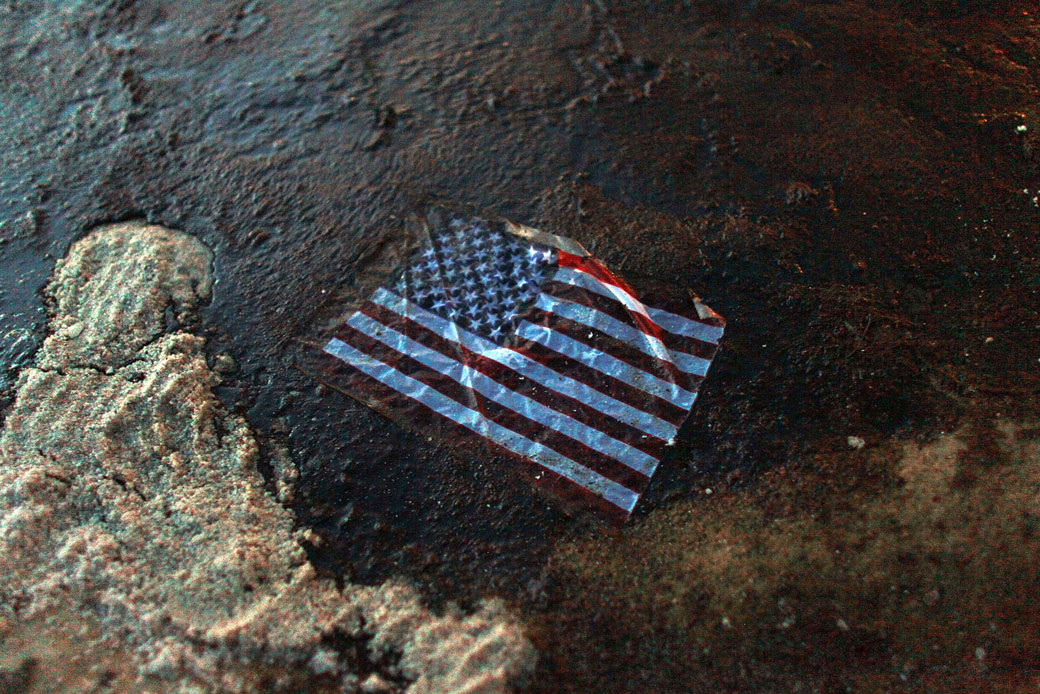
(856, 442)
(798, 193)
(129, 497)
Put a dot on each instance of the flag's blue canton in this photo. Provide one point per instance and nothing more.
(480, 277)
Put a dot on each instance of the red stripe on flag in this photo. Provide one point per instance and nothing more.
(516, 382)
(468, 397)
(596, 269)
(617, 310)
(593, 267)
(604, 383)
(664, 370)
(416, 417)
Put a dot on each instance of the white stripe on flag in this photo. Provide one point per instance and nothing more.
(680, 325)
(629, 334)
(527, 367)
(613, 492)
(510, 399)
(605, 363)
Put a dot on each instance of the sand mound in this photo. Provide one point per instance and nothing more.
(130, 498)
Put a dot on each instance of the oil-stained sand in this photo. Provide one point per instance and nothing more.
(853, 184)
(919, 582)
(132, 513)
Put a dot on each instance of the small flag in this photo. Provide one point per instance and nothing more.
(521, 338)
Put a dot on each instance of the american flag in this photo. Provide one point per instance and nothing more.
(521, 338)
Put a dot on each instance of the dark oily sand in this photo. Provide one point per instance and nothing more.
(131, 506)
(920, 581)
(854, 184)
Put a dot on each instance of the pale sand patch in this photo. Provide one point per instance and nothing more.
(130, 499)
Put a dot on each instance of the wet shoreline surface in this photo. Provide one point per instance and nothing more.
(850, 184)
